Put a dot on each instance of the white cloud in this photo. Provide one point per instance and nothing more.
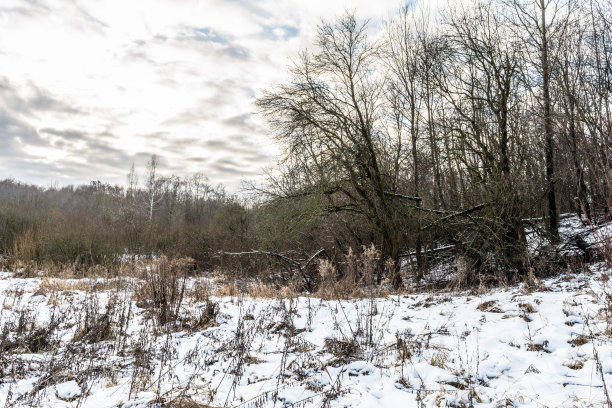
(132, 78)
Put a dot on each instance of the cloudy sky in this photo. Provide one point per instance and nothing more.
(88, 87)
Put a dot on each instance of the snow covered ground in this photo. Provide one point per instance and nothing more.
(504, 348)
(571, 228)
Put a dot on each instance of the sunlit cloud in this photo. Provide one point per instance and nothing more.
(87, 88)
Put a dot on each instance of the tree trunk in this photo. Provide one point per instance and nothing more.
(391, 251)
(415, 164)
(553, 221)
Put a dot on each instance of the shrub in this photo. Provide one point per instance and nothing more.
(163, 288)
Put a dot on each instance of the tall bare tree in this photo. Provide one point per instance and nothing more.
(482, 86)
(543, 26)
(153, 186)
(329, 120)
(404, 60)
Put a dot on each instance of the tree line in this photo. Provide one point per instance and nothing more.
(433, 130)
(452, 128)
(101, 224)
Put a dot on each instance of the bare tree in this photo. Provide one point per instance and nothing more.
(482, 86)
(153, 186)
(329, 119)
(132, 182)
(408, 60)
(573, 56)
(543, 26)
(596, 103)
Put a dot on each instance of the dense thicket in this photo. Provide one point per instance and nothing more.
(100, 224)
(452, 128)
(433, 130)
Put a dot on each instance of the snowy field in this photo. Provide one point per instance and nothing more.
(80, 343)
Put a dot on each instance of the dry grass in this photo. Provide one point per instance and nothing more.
(490, 306)
(227, 289)
(179, 402)
(342, 350)
(538, 347)
(53, 285)
(262, 291)
(527, 308)
(579, 340)
(50, 286)
(355, 278)
(532, 283)
(328, 289)
(439, 360)
(163, 288)
(200, 290)
(575, 365)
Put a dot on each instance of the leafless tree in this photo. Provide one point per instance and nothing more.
(544, 28)
(153, 186)
(482, 86)
(329, 118)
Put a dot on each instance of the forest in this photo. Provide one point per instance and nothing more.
(439, 141)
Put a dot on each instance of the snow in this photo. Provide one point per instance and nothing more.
(67, 391)
(519, 349)
(570, 226)
(450, 353)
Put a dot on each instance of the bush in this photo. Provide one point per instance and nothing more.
(163, 288)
